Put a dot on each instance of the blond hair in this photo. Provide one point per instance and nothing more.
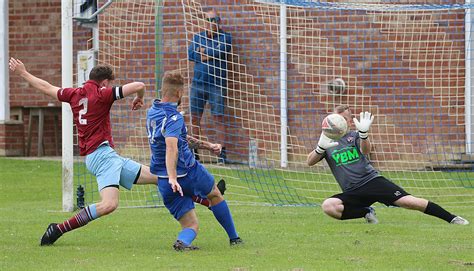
(173, 82)
(341, 108)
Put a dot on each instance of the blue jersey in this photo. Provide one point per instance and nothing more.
(163, 120)
(213, 71)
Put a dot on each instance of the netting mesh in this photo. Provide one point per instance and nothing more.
(404, 61)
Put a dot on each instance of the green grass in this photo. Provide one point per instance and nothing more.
(308, 186)
(277, 238)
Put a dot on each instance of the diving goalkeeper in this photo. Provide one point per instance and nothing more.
(361, 184)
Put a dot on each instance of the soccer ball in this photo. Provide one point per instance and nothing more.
(334, 126)
(337, 86)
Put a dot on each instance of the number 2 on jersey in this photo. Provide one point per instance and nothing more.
(83, 111)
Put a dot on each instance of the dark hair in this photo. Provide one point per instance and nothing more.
(173, 81)
(101, 72)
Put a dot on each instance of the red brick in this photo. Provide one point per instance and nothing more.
(256, 49)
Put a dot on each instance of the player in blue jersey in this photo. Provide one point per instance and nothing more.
(360, 182)
(180, 176)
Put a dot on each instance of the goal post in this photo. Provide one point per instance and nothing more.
(468, 80)
(67, 125)
(84, 13)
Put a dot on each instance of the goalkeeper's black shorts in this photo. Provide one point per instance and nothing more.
(377, 190)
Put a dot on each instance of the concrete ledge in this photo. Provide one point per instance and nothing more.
(11, 122)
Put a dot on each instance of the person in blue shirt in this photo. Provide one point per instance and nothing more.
(210, 50)
(180, 175)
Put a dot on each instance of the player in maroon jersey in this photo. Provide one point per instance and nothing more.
(91, 105)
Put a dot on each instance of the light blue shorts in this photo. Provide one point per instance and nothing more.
(111, 169)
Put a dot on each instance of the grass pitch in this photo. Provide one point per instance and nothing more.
(277, 238)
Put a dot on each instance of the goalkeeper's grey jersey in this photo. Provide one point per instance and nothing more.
(349, 166)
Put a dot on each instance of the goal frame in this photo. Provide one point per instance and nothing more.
(67, 81)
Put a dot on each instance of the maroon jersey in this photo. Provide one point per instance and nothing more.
(91, 113)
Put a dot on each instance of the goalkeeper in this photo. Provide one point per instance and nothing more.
(91, 105)
(361, 184)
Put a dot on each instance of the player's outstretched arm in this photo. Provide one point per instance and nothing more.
(19, 68)
(135, 88)
(171, 163)
(195, 143)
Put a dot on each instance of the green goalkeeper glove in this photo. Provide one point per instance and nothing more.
(324, 143)
(363, 125)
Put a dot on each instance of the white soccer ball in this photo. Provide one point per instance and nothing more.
(334, 126)
(337, 86)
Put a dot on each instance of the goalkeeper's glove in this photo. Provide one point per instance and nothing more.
(363, 125)
(324, 143)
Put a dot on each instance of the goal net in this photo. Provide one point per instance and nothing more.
(407, 62)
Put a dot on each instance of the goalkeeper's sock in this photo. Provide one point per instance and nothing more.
(202, 201)
(222, 213)
(187, 236)
(84, 216)
(351, 212)
(438, 211)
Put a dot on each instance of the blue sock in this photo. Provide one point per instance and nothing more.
(222, 213)
(93, 211)
(187, 235)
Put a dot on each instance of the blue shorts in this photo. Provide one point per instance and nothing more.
(198, 182)
(203, 92)
(111, 169)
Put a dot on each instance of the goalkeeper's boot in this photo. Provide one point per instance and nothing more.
(370, 217)
(221, 186)
(180, 246)
(459, 221)
(236, 241)
(51, 235)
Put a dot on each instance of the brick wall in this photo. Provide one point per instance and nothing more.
(357, 46)
(11, 139)
(253, 86)
(389, 67)
(35, 38)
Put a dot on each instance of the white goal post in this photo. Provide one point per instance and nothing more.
(67, 125)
